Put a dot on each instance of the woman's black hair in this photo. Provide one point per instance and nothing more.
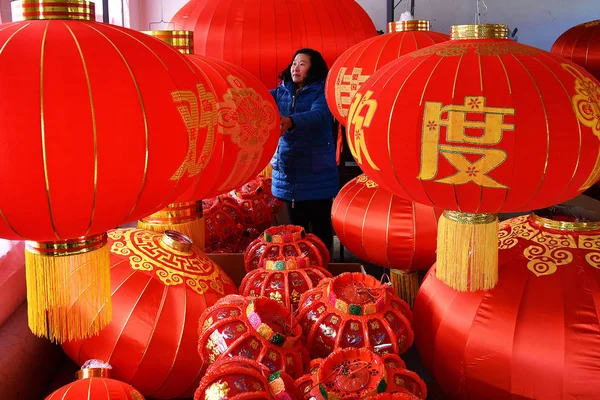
(318, 67)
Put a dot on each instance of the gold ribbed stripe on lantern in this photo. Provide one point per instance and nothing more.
(482, 31)
(180, 40)
(186, 218)
(58, 9)
(422, 25)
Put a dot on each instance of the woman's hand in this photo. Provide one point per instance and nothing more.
(285, 123)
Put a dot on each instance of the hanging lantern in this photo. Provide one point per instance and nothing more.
(220, 226)
(259, 329)
(258, 36)
(256, 212)
(357, 374)
(478, 125)
(533, 336)
(386, 230)
(354, 310)
(91, 151)
(240, 117)
(93, 382)
(161, 284)
(580, 45)
(283, 279)
(241, 378)
(286, 241)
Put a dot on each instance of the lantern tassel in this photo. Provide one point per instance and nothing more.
(68, 288)
(186, 218)
(467, 250)
(267, 172)
(406, 284)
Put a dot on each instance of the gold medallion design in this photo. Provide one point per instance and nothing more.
(135, 395)
(146, 252)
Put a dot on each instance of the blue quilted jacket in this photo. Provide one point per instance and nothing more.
(304, 166)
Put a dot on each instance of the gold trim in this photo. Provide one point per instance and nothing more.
(578, 226)
(179, 39)
(87, 373)
(176, 213)
(68, 247)
(483, 31)
(470, 218)
(421, 25)
(58, 9)
(177, 241)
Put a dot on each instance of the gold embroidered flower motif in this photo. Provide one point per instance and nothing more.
(217, 391)
(277, 296)
(354, 326)
(207, 323)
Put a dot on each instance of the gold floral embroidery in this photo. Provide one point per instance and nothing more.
(217, 391)
(277, 296)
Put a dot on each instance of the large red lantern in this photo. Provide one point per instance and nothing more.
(258, 36)
(89, 152)
(536, 334)
(580, 45)
(478, 125)
(354, 310)
(386, 230)
(161, 284)
(362, 60)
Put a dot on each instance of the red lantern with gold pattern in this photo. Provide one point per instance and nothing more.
(536, 334)
(357, 374)
(220, 225)
(258, 36)
(386, 230)
(248, 198)
(362, 60)
(478, 125)
(580, 45)
(242, 378)
(354, 310)
(161, 284)
(283, 279)
(286, 241)
(95, 384)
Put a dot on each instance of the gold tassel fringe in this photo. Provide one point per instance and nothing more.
(267, 172)
(192, 229)
(186, 218)
(467, 251)
(68, 295)
(406, 284)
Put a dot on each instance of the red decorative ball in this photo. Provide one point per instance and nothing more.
(356, 374)
(255, 211)
(241, 378)
(220, 225)
(259, 329)
(354, 310)
(286, 241)
(283, 279)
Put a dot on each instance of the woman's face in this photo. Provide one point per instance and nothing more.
(299, 69)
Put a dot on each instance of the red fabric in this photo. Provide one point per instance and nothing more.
(12, 277)
(96, 389)
(262, 36)
(536, 335)
(580, 44)
(384, 229)
(362, 60)
(104, 165)
(157, 297)
(540, 145)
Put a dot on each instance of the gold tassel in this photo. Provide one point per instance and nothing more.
(68, 287)
(406, 284)
(186, 218)
(467, 251)
(267, 172)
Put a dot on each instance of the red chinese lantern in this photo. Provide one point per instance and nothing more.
(536, 334)
(259, 329)
(580, 45)
(91, 150)
(273, 202)
(354, 310)
(283, 279)
(356, 374)
(386, 230)
(362, 60)
(161, 284)
(220, 225)
(241, 378)
(258, 36)
(478, 125)
(286, 241)
(94, 383)
(249, 199)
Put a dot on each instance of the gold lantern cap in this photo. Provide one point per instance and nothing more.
(93, 369)
(179, 39)
(176, 213)
(577, 226)
(177, 241)
(481, 31)
(59, 9)
(422, 25)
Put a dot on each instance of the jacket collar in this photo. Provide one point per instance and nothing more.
(289, 86)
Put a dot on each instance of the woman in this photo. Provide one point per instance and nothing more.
(304, 168)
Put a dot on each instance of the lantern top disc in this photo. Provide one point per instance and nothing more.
(87, 373)
(181, 40)
(59, 9)
(481, 31)
(422, 25)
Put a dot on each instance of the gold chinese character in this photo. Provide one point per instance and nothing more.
(488, 132)
(361, 116)
(346, 86)
(354, 326)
